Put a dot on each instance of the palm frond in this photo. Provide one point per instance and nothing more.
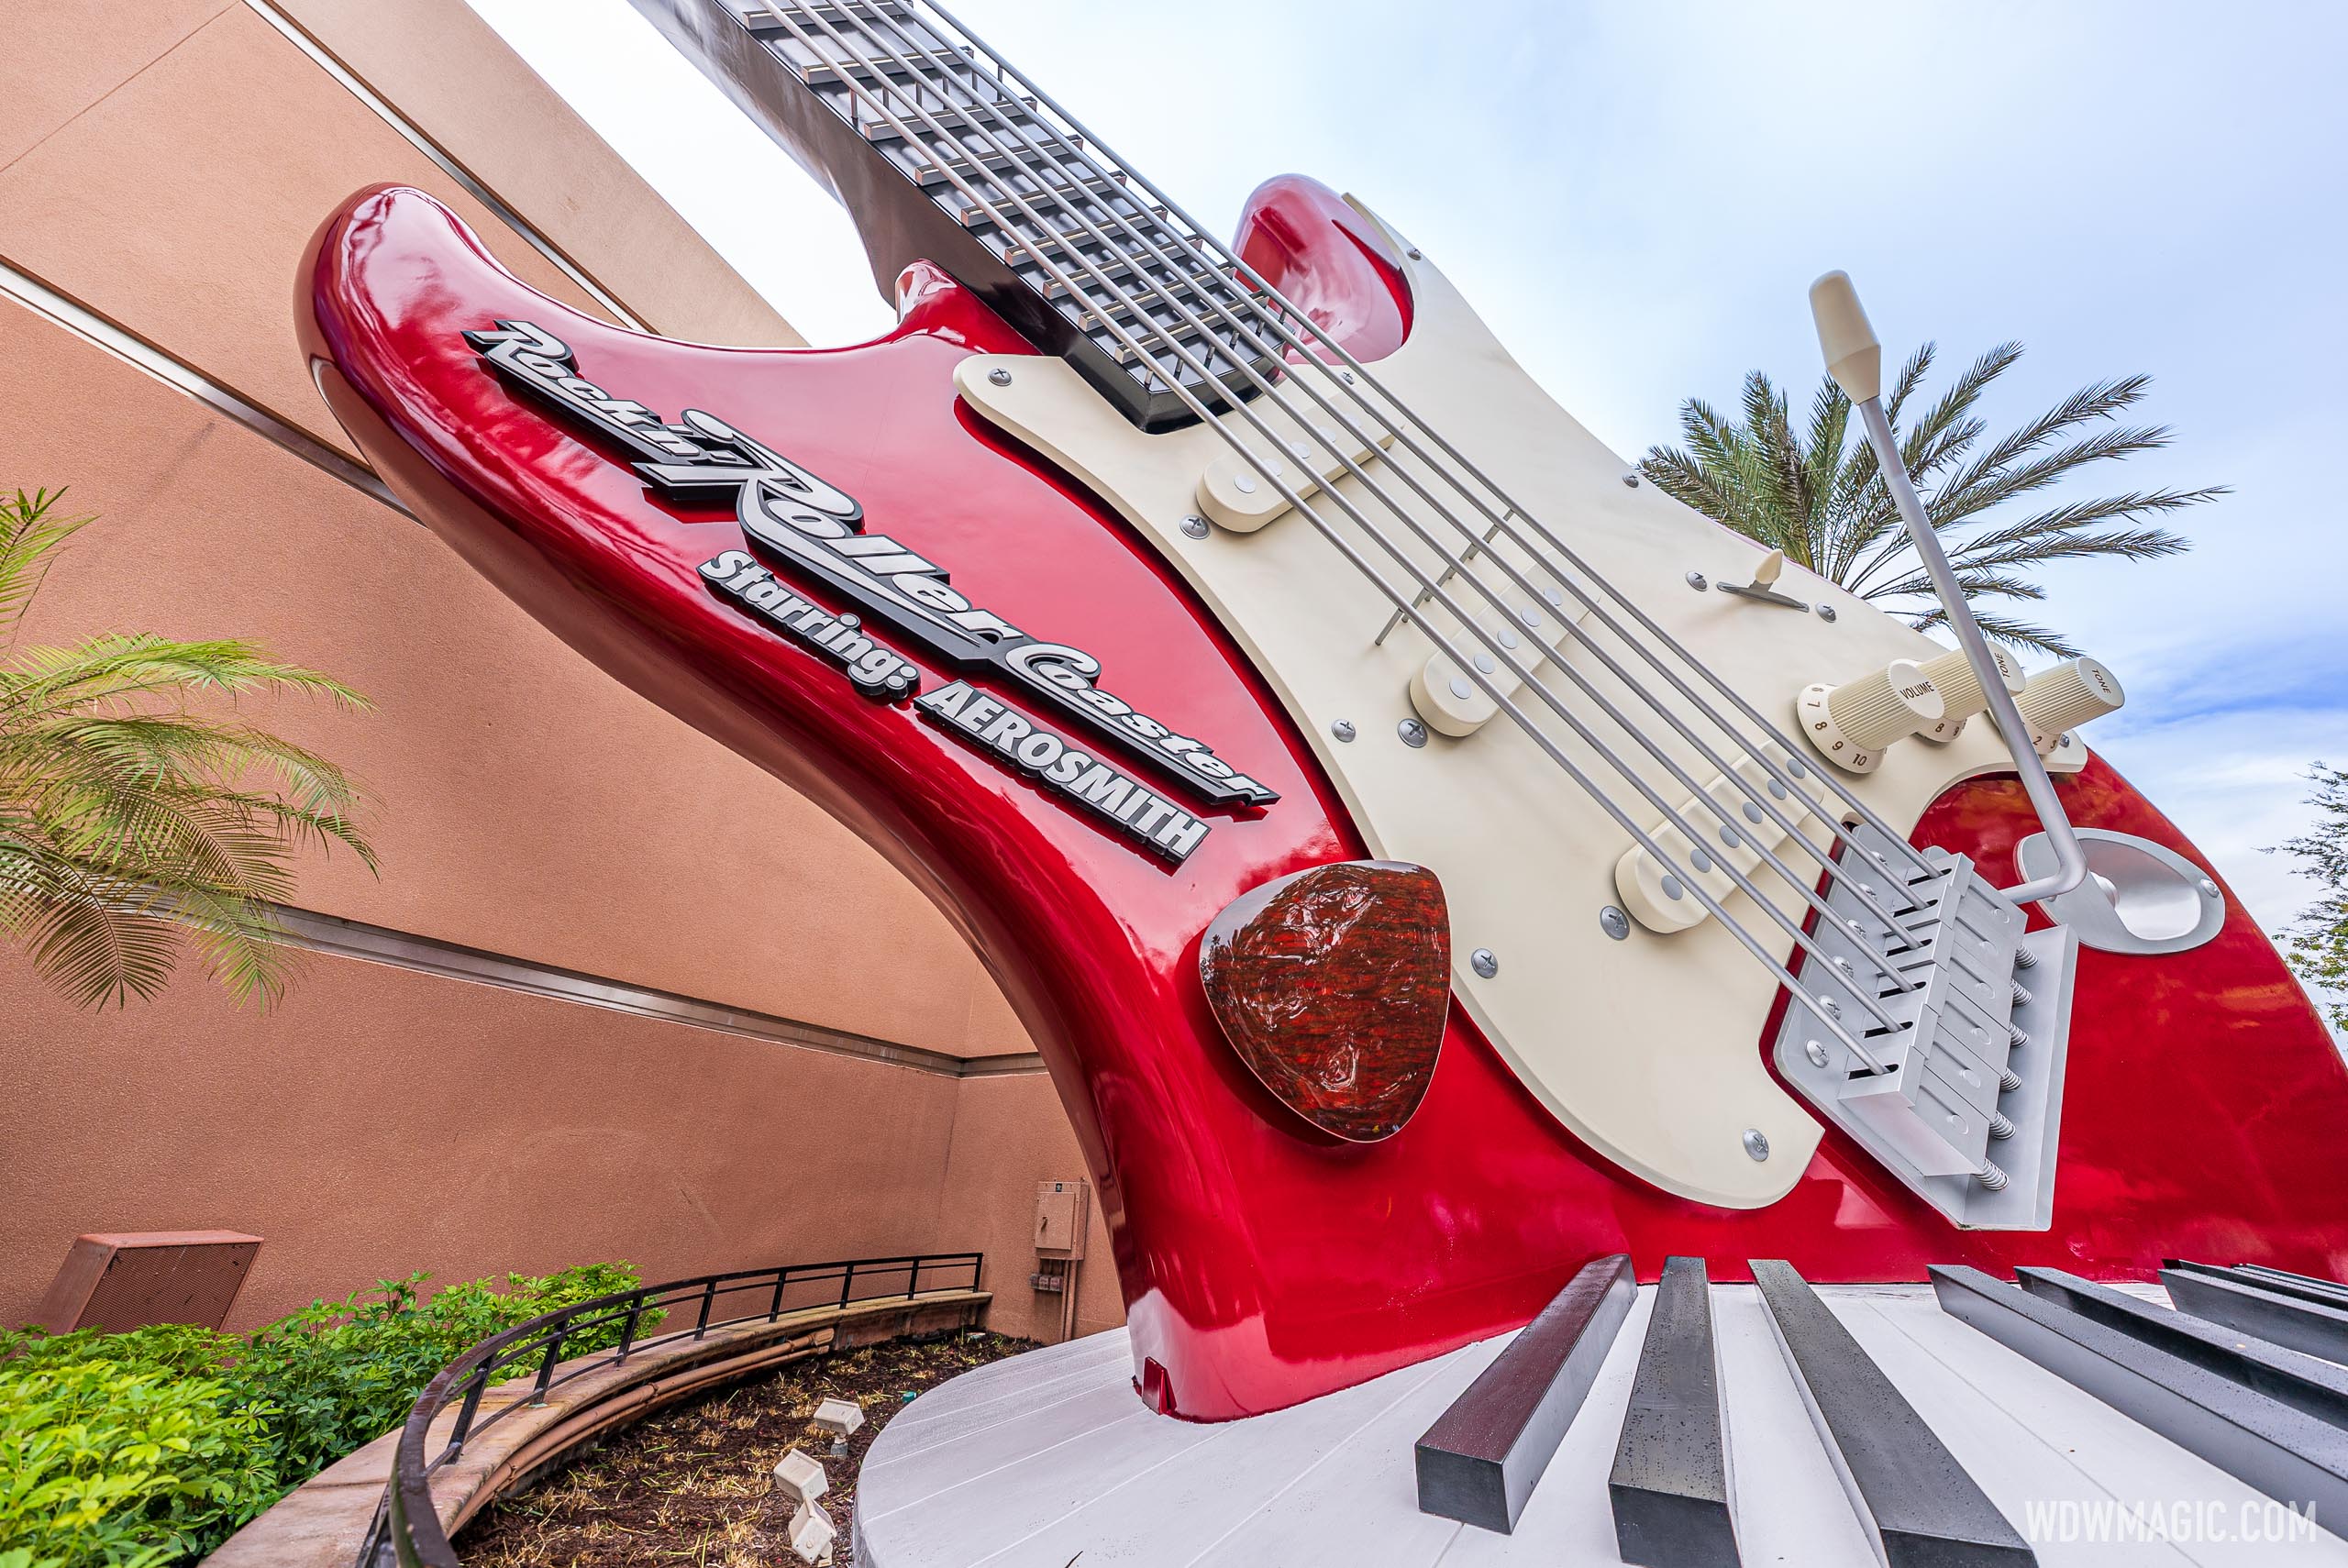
(138, 816)
(30, 538)
(2006, 629)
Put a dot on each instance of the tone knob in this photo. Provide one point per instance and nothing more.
(1961, 694)
(1852, 724)
(2064, 698)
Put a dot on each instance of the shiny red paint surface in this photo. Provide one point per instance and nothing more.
(1301, 238)
(1262, 1263)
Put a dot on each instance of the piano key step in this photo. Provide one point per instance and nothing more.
(1913, 1498)
(1480, 1460)
(1075, 1467)
(2286, 1453)
(2308, 1384)
(1669, 1491)
(2266, 1309)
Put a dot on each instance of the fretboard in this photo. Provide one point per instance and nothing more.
(940, 156)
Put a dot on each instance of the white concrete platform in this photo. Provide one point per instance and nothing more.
(1050, 1458)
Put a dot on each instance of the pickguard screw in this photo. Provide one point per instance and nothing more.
(1196, 528)
(1483, 962)
(1343, 729)
(1815, 1051)
(2208, 889)
(999, 376)
(1413, 733)
(1347, 377)
(1826, 613)
(1695, 579)
(1614, 922)
(1417, 257)
(1756, 1144)
(1630, 481)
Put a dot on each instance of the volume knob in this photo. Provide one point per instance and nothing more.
(2065, 697)
(1961, 694)
(1852, 724)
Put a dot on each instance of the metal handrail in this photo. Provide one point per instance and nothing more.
(407, 1531)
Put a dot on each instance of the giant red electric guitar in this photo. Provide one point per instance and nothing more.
(1427, 857)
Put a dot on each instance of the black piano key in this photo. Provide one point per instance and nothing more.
(1480, 1461)
(2285, 1453)
(1911, 1494)
(2262, 1310)
(2304, 1382)
(1670, 1487)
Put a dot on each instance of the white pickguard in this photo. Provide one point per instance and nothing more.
(1647, 1049)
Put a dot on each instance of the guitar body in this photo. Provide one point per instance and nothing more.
(1262, 1261)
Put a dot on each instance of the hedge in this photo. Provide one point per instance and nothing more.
(149, 1448)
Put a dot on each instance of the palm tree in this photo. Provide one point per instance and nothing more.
(1817, 495)
(137, 813)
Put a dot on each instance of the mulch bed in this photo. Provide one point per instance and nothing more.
(695, 1484)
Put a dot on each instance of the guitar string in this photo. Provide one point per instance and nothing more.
(1196, 240)
(877, 101)
(1898, 980)
(1757, 803)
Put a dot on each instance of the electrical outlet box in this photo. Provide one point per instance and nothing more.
(1063, 1212)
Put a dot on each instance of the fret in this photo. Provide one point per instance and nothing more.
(1062, 227)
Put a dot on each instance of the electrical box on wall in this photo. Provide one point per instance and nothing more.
(1062, 1214)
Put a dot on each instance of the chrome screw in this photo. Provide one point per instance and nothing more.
(1815, 1051)
(1414, 734)
(1196, 528)
(1343, 729)
(1347, 377)
(1630, 481)
(1484, 963)
(2208, 889)
(1695, 579)
(1756, 1144)
(999, 376)
(1614, 922)
(1826, 613)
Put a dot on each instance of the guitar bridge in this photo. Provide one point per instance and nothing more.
(1963, 1101)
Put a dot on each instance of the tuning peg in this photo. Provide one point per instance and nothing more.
(2064, 698)
(1961, 694)
(1850, 724)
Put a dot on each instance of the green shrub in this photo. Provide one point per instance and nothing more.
(149, 1448)
(341, 1373)
(113, 1465)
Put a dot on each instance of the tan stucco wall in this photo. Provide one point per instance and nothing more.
(163, 166)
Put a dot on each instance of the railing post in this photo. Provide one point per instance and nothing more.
(912, 1280)
(848, 1278)
(627, 1328)
(465, 1413)
(546, 1367)
(708, 1294)
(774, 1308)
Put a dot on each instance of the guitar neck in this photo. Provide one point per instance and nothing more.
(940, 156)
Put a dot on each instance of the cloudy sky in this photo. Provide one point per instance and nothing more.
(1638, 195)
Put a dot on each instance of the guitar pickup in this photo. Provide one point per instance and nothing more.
(1449, 702)
(1235, 494)
(1657, 897)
